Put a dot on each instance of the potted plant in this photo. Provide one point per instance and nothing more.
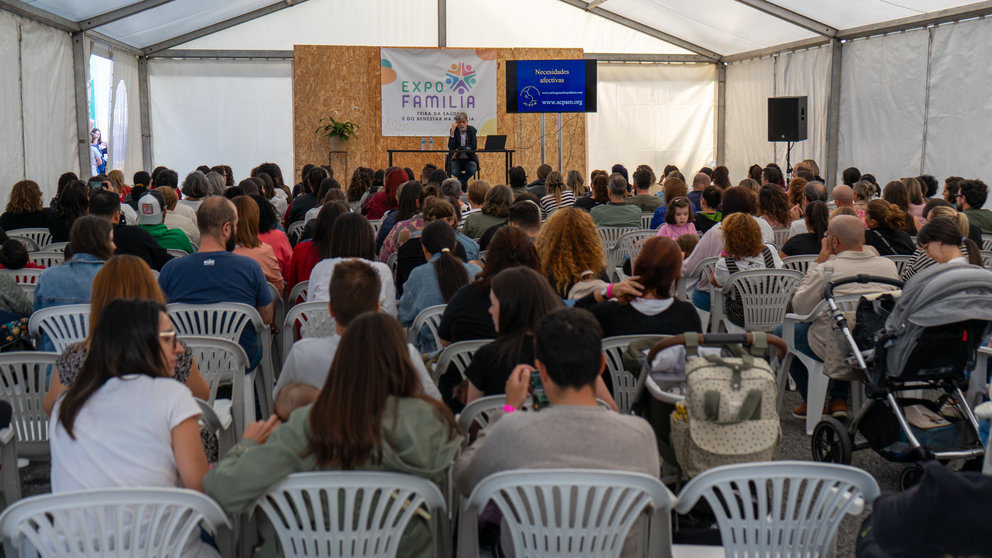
(337, 132)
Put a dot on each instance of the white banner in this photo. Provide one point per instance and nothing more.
(423, 89)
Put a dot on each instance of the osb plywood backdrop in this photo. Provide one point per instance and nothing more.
(344, 82)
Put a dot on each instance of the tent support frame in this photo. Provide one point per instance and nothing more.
(833, 111)
(721, 113)
(145, 113)
(79, 64)
(442, 23)
(120, 13)
(790, 16)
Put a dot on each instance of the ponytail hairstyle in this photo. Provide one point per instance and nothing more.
(887, 215)
(439, 237)
(947, 231)
(554, 185)
(960, 218)
(817, 218)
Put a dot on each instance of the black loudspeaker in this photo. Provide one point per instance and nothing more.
(786, 118)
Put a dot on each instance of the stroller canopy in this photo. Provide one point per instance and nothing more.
(938, 295)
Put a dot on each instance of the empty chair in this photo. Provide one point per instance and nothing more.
(646, 220)
(611, 235)
(458, 355)
(309, 319)
(47, 258)
(359, 513)
(295, 230)
(628, 246)
(570, 512)
(64, 325)
(624, 383)
(24, 383)
(689, 282)
(40, 237)
(781, 508)
(423, 333)
(781, 236)
(131, 522)
(764, 295)
(224, 362)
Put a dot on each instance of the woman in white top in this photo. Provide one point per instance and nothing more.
(124, 422)
(558, 196)
(352, 237)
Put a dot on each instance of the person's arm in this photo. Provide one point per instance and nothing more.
(603, 393)
(55, 389)
(191, 461)
(196, 383)
(267, 312)
(430, 390)
(474, 392)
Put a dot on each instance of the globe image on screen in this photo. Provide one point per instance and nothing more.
(530, 95)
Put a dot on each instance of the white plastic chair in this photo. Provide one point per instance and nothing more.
(624, 383)
(781, 236)
(47, 258)
(298, 294)
(458, 354)
(41, 237)
(10, 479)
(610, 236)
(765, 293)
(26, 279)
(570, 512)
(986, 258)
(629, 245)
(816, 394)
(64, 325)
(646, 220)
(176, 252)
(901, 261)
(429, 318)
(294, 231)
(29, 244)
(376, 225)
(24, 377)
(56, 247)
(780, 508)
(986, 241)
(224, 362)
(228, 320)
(131, 522)
(685, 283)
(798, 263)
(349, 513)
(313, 319)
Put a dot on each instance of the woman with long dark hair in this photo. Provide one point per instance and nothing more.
(370, 415)
(942, 241)
(810, 242)
(405, 221)
(249, 245)
(73, 203)
(308, 253)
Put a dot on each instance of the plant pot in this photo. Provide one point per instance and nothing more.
(335, 143)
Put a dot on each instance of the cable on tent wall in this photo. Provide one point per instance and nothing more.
(20, 90)
(926, 98)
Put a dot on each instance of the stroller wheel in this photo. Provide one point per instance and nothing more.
(831, 442)
(910, 476)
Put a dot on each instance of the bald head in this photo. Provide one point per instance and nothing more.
(213, 213)
(843, 196)
(848, 231)
(700, 181)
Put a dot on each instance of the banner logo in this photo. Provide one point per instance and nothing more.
(461, 78)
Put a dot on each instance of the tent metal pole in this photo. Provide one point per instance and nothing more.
(656, 58)
(220, 54)
(24, 9)
(442, 23)
(20, 90)
(82, 104)
(792, 17)
(121, 13)
(145, 113)
(833, 111)
(721, 113)
(926, 99)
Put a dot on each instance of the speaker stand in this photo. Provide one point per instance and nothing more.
(788, 164)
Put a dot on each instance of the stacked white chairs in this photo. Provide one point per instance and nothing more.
(40, 237)
(64, 325)
(570, 512)
(352, 513)
(458, 355)
(765, 293)
(780, 508)
(24, 379)
(47, 258)
(817, 384)
(629, 245)
(624, 383)
(56, 247)
(124, 522)
(429, 318)
(26, 278)
(310, 319)
(798, 263)
(29, 244)
(224, 362)
(228, 320)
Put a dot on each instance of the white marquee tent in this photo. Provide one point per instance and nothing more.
(896, 87)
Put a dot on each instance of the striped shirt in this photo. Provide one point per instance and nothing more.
(548, 205)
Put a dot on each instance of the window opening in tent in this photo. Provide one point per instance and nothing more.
(100, 86)
(118, 133)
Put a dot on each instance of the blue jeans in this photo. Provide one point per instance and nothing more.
(835, 389)
(463, 169)
(701, 300)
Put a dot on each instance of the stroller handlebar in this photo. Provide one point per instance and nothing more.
(828, 289)
(719, 339)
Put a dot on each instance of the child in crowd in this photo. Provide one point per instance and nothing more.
(709, 203)
(292, 397)
(678, 219)
(14, 255)
(687, 243)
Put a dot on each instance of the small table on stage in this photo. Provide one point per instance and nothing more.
(507, 156)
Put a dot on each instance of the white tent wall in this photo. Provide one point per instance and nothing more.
(749, 84)
(805, 72)
(238, 113)
(38, 113)
(126, 73)
(652, 114)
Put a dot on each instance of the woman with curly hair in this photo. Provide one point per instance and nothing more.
(721, 177)
(886, 224)
(774, 206)
(796, 186)
(358, 188)
(570, 246)
(24, 208)
(743, 251)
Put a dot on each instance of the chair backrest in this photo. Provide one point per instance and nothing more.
(624, 383)
(129, 522)
(628, 246)
(784, 508)
(429, 318)
(56, 247)
(458, 355)
(309, 319)
(225, 362)
(29, 244)
(781, 236)
(765, 294)
(24, 377)
(707, 265)
(40, 237)
(226, 320)
(280, 305)
(986, 241)
(798, 263)
(26, 279)
(479, 412)
(64, 325)
(610, 235)
(646, 220)
(47, 258)
(176, 252)
(350, 513)
(294, 231)
(901, 261)
(376, 225)
(298, 294)
(570, 512)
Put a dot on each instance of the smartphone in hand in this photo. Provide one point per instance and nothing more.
(538, 395)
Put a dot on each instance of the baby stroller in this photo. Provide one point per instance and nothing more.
(924, 344)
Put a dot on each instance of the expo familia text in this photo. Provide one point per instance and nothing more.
(431, 95)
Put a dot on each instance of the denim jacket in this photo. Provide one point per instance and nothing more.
(421, 291)
(69, 283)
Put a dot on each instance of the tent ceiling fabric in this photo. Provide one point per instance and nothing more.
(724, 26)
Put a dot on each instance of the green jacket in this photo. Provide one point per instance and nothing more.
(169, 238)
(419, 445)
(616, 215)
(980, 217)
